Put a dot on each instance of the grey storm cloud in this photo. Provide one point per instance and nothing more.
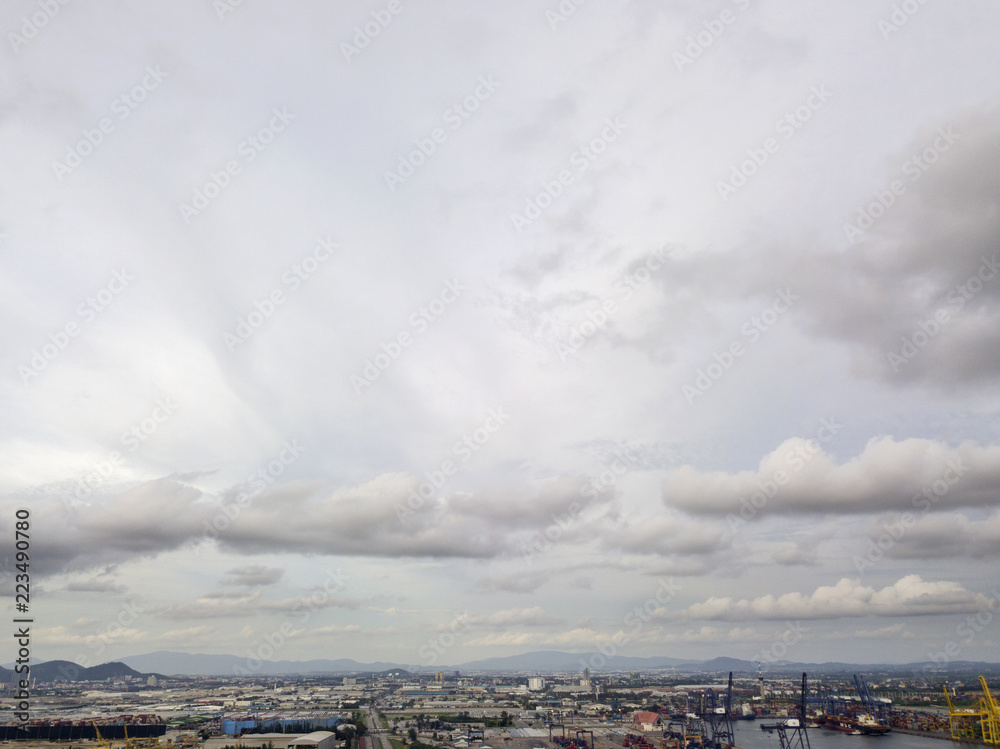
(383, 517)
(919, 290)
(917, 293)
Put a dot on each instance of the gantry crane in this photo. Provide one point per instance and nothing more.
(990, 720)
(963, 722)
(799, 738)
(719, 720)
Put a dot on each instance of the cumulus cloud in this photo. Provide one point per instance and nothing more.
(801, 477)
(376, 518)
(908, 596)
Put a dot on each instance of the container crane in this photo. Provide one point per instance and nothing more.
(962, 721)
(799, 738)
(719, 720)
(878, 710)
(990, 720)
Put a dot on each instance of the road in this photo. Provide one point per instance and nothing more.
(376, 738)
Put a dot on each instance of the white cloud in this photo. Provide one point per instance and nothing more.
(799, 476)
(908, 596)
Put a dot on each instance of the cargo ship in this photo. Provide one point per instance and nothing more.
(855, 725)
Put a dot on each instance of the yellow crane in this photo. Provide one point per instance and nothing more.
(104, 743)
(963, 721)
(990, 720)
(101, 741)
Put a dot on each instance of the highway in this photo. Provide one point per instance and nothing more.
(376, 737)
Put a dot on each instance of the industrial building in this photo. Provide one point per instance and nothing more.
(314, 740)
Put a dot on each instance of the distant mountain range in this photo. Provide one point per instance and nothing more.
(557, 661)
(188, 664)
(69, 671)
(171, 663)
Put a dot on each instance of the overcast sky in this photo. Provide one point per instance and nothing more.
(432, 331)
